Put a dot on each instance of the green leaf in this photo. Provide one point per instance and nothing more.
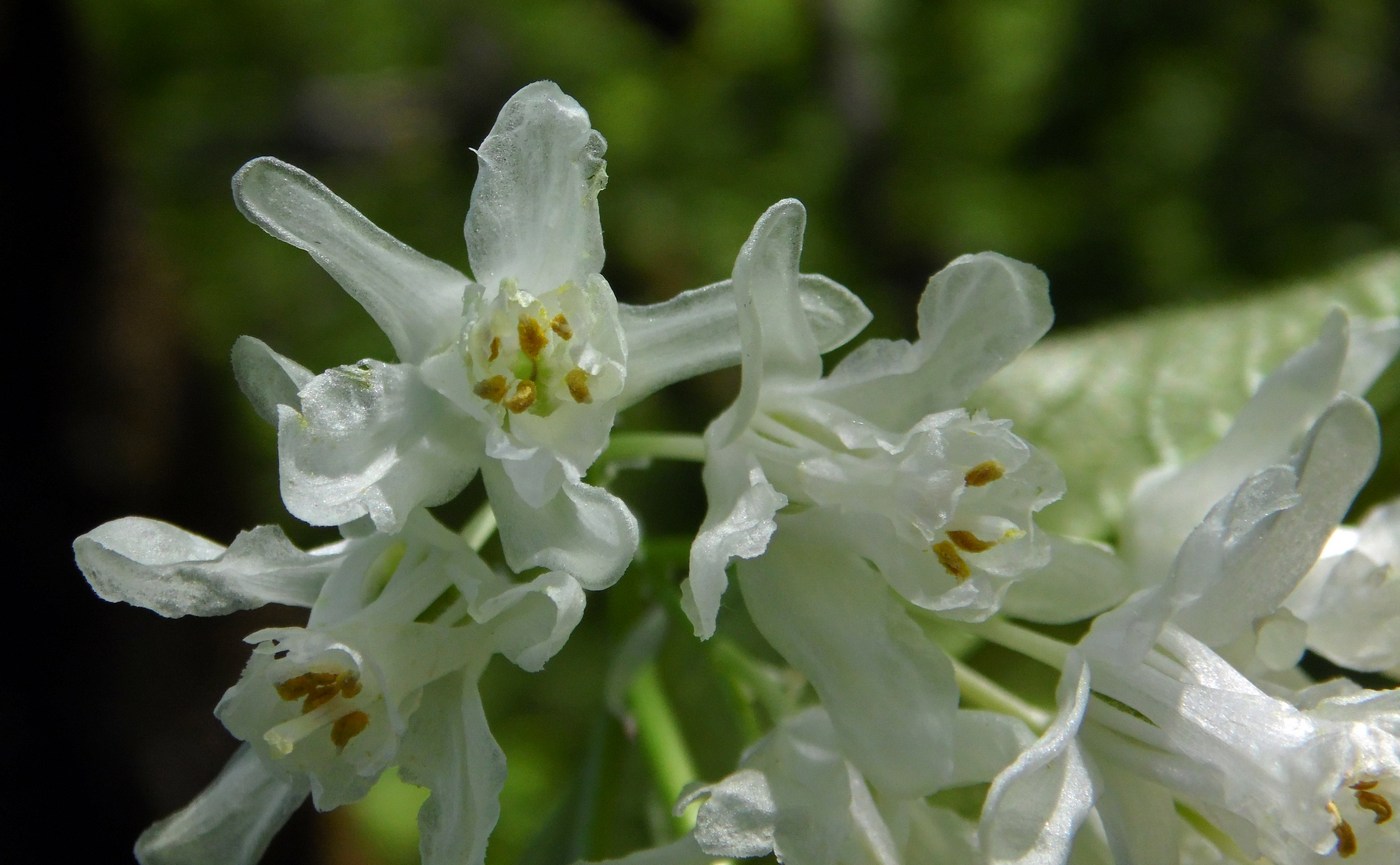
(1110, 402)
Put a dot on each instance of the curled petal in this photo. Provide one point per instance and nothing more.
(267, 378)
(532, 621)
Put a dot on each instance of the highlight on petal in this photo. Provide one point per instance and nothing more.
(152, 564)
(697, 331)
(267, 378)
(534, 209)
(231, 821)
(415, 300)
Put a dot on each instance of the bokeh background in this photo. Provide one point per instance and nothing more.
(1144, 154)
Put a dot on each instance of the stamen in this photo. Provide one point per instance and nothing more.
(524, 397)
(347, 727)
(950, 560)
(495, 349)
(532, 337)
(984, 473)
(560, 325)
(970, 542)
(1346, 836)
(315, 688)
(494, 388)
(577, 380)
(1376, 804)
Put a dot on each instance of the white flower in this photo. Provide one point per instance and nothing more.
(940, 498)
(518, 372)
(384, 672)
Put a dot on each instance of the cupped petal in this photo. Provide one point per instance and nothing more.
(1036, 806)
(975, 316)
(697, 331)
(738, 524)
(831, 615)
(267, 378)
(372, 440)
(415, 300)
(450, 750)
(230, 822)
(152, 564)
(534, 209)
(583, 530)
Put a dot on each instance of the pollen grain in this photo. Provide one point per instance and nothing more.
(984, 473)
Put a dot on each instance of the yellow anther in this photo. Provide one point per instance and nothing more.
(495, 349)
(1346, 836)
(492, 389)
(984, 473)
(532, 337)
(560, 325)
(969, 542)
(524, 397)
(951, 561)
(1375, 803)
(347, 727)
(577, 380)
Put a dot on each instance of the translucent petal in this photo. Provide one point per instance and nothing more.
(534, 209)
(697, 331)
(771, 320)
(415, 300)
(230, 822)
(372, 439)
(583, 530)
(164, 568)
(531, 622)
(835, 620)
(1081, 580)
(267, 378)
(976, 315)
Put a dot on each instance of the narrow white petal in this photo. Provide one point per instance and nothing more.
(534, 209)
(771, 320)
(230, 822)
(416, 301)
(267, 378)
(164, 568)
(697, 331)
(582, 530)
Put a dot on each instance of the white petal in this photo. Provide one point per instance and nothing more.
(1140, 818)
(1082, 580)
(583, 530)
(372, 439)
(684, 851)
(976, 315)
(826, 611)
(772, 324)
(532, 621)
(697, 331)
(534, 209)
(416, 301)
(164, 568)
(987, 742)
(1034, 808)
(267, 378)
(230, 822)
(450, 750)
(738, 817)
(738, 524)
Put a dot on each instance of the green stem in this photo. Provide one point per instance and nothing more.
(1034, 645)
(480, 527)
(687, 447)
(660, 736)
(981, 691)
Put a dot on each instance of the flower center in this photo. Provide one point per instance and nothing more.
(316, 688)
(520, 356)
(1368, 798)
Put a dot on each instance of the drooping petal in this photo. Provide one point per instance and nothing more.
(531, 621)
(976, 315)
(267, 378)
(372, 440)
(583, 530)
(738, 524)
(697, 331)
(230, 822)
(450, 750)
(1036, 806)
(164, 568)
(534, 209)
(827, 611)
(415, 300)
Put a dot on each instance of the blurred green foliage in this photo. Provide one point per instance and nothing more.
(1142, 154)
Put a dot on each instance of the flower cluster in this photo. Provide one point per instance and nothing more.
(878, 525)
